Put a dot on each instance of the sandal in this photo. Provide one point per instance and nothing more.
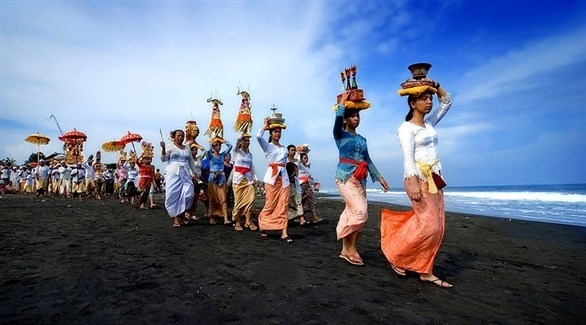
(263, 234)
(251, 226)
(238, 227)
(287, 239)
(437, 282)
(399, 271)
(176, 225)
(354, 260)
(212, 221)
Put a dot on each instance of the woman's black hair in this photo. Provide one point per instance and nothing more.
(303, 154)
(291, 146)
(175, 132)
(409, 115)
(350, 112)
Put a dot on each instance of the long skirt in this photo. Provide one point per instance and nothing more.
(144, 184)
(178, 192)
(274, 214)
(244, 195)
(295, 207)
(411, 239)
(218, 201)
(307, 197)
(355, 213)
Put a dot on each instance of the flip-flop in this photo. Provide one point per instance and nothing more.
(437, 282)
(352, 260)
(176, 225)
(287, 239)
(238, 227)
(399, 272)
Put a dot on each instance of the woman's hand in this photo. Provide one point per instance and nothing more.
(344, 98)
(413, 189)
(162, 144)
(384, 184)
(266, 126)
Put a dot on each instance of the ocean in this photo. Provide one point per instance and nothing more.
(563, 204)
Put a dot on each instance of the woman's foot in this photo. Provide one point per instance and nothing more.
(212, 221)
(435, 280)
(399, 271)
(287, 239)
(238, 227)
(251, 226)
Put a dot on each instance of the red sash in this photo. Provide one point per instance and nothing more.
(275, 168)
(361, 167)
(241, 169)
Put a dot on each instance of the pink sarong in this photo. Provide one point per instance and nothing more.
(274, 214)
(355, 214)
(411, 239)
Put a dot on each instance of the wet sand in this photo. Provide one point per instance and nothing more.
(105, 262)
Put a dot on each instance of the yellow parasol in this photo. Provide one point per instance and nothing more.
(113, 146)
(38, 139)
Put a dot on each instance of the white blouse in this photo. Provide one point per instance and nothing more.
(243, 159)
(274, 155)
(419, 144)
(179, 159)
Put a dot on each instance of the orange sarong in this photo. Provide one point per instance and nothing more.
(274, 214)
(355, 213)
(411, 239)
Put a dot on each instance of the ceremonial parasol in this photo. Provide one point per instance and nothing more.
(113, 145)
(131, 138)
(38, 139)
(73, 136)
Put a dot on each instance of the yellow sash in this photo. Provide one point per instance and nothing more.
(426, 169)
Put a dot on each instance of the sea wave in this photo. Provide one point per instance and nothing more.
(523, 196)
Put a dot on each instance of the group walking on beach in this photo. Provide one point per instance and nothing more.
(223, 178)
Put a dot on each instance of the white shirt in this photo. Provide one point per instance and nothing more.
(243, 159)
(43, 171)
(65, 172)
(419, 144)
(274, 154)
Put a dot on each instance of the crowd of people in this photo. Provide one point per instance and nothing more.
(227, 188)
(89, 179)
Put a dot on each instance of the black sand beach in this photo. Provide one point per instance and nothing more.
(103, 262)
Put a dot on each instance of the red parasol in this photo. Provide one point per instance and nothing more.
(74, 136)
(131, 138)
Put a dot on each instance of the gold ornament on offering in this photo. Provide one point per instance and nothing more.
(243, 121)
(276, 120)
(147, 149)
(355, 98)
(216, 127)
(419, 83)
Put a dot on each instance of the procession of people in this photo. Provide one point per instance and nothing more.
(223, 180)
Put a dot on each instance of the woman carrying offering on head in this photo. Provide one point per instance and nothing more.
(274, 213)
(217, 179)
(243, 183)
(353, 168)
(179, 175)
(306, 182)
(411, 239)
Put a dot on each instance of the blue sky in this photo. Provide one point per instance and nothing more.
(515, 72)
